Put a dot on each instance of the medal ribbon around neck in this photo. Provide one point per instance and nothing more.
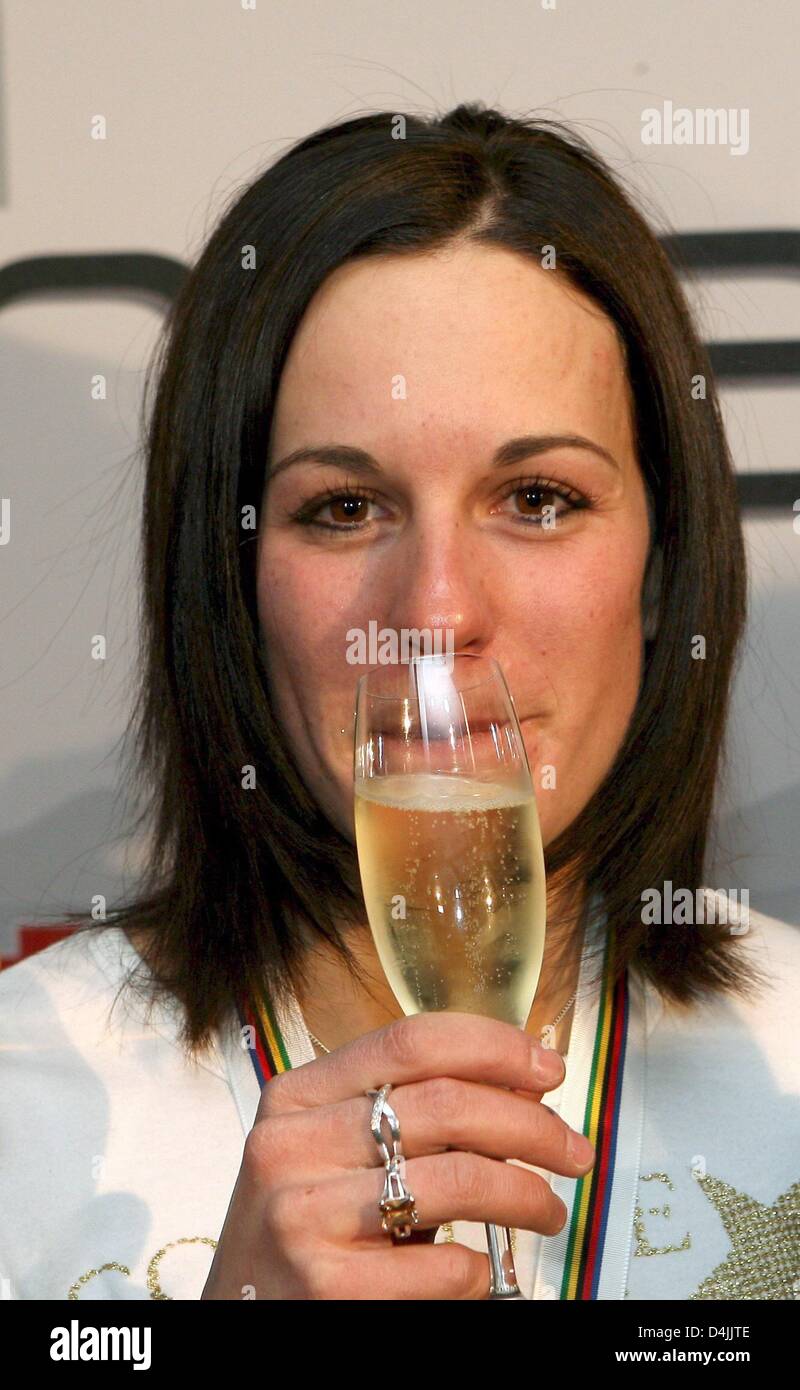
(587, 1227)
(589, 1218)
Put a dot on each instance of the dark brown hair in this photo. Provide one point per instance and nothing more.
(233, 873)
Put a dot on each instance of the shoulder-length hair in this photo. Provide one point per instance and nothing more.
(237, 875)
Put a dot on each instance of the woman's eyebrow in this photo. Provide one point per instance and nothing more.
(525, 446)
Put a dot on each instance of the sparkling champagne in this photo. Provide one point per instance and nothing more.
(452, 871)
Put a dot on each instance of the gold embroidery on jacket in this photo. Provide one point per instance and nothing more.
(643, 1246)
(156, 1291)
(764, 1260)
(90, 1274)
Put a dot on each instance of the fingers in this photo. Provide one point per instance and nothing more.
(435, 1115)
(415, 1048)
(450, 1270)
(407, 1271)
(447, 1271)
(452, 1186)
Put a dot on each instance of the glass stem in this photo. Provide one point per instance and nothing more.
(501, 1262)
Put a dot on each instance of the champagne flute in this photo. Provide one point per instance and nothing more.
(450, 850)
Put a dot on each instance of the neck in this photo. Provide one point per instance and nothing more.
(338, 1008)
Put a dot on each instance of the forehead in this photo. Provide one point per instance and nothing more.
(462, 336)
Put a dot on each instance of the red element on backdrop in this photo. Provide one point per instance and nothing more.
(31, 938)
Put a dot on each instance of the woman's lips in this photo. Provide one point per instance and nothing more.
(484, 725)
(462, 728)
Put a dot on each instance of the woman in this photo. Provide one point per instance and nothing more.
(430, 374)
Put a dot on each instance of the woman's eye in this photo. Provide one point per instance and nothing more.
(539, 502)
(348, 509)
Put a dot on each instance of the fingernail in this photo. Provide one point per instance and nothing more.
(548, 1063)
(579, 1147)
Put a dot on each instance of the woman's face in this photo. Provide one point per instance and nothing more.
(430, 364)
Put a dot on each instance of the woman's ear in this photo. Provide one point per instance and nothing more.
(651, 593)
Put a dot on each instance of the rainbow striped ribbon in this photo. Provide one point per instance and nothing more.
(270, 1054)
(589, 1218)
(587, 1230)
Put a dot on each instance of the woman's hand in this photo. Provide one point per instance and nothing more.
(303, 1221)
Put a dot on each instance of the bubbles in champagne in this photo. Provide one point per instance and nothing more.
(466, 856)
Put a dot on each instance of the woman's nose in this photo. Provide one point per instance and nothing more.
(442, 580)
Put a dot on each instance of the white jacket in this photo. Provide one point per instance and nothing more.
(118, 1156)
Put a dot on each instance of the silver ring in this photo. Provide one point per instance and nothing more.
(398, 1213)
